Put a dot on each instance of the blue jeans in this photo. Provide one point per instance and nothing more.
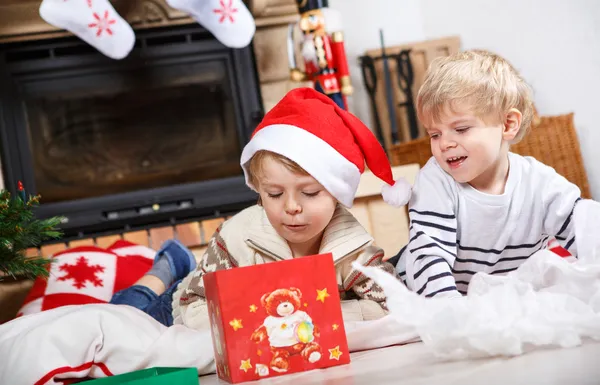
(156, 306)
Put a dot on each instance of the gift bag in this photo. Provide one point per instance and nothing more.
(276, 318)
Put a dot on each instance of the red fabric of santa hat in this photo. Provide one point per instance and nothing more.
(331, 144)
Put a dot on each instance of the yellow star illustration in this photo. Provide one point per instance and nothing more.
(335, 326)
(305, 304)
(236, 324)
(253, 308)
(322, 294)
(259, 352)
(335, 353)
(246, 365)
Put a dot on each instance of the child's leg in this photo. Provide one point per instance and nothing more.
(172, 263)
(152, 282)
(138, 296)
(141, 297)
(161, 309)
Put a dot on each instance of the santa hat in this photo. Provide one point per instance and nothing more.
(328, 142)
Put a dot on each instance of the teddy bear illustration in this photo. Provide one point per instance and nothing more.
(290, 330)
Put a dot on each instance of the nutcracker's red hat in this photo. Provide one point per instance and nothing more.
(329, 143)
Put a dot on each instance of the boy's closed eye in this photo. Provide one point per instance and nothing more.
(306, 193)
(311, 194)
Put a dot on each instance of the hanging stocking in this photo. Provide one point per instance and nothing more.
(228, 20)
(94, 21)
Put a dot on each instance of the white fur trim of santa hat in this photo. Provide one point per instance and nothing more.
(337, 174)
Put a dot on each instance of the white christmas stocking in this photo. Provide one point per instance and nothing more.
(228, 20)
(94, 21)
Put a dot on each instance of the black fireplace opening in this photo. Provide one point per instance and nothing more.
(154, 138)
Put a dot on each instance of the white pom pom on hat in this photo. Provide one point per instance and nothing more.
(397, 195)
(329, 143)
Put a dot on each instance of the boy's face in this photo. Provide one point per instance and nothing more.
(470, 149)
(298, 207)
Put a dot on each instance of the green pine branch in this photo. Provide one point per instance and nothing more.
(19, 231)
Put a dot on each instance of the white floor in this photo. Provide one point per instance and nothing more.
(413, 364)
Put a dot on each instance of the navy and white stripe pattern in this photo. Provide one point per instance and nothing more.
(457, 231)
(433, 246)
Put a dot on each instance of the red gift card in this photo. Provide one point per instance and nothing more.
(276, 318)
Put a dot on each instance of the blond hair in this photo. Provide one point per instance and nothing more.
(256, 165)
(488, 83)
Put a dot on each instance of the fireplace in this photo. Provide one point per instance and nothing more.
(150, 139)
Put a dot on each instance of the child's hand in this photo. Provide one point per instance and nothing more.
(259, 335)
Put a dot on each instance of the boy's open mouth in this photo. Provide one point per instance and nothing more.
(456, 161)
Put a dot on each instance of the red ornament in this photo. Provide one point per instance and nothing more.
(20, 186)
(276, 318)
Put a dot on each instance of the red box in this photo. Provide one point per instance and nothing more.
(276, 318)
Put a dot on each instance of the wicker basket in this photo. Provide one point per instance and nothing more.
(553, 141)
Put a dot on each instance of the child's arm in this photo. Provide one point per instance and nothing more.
(192, 310)
(560, 197)
(364, 287)
(426, 261)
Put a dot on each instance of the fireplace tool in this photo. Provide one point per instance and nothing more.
(369, 74)
(406, 80)
(389, 90)
(405, 83)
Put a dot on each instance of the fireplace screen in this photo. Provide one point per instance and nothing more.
(121, 131)
(109, 144)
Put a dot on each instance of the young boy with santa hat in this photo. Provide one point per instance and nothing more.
(305, 160)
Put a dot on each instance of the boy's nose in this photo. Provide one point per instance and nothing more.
(292, 207)
(446, 144)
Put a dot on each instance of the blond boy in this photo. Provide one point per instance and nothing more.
(477, 207)
(305, 160)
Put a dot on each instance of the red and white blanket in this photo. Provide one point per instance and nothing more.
(95, 340)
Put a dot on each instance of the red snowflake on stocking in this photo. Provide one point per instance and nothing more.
(102, 23)
(226, 11)
(82, 272)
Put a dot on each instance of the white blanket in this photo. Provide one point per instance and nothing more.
(548, 301)
(95, 341)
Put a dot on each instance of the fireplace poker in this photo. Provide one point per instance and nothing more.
(389, 90)
(405, 82)
(367, 66)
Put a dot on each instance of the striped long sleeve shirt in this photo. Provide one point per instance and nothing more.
(457, 231)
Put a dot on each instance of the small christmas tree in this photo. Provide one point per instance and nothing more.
(20, 230)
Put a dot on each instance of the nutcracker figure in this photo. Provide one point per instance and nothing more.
(322, 50)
